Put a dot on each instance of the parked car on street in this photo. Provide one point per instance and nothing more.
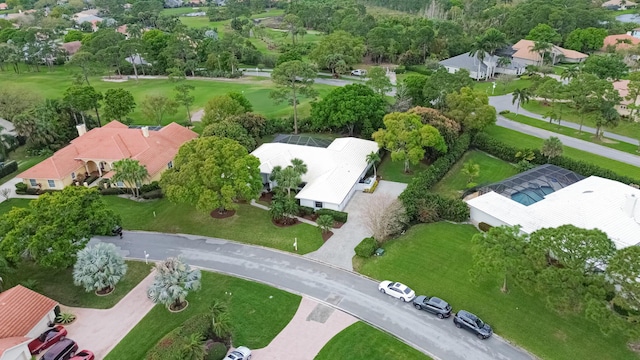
(47, 339)
(83, 355)
(434, 305)
(240, 353)
(62, 350)
(358, 72)
(397, 290)
(465, 319)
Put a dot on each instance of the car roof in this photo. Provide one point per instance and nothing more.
(398, 285)
(58, 348)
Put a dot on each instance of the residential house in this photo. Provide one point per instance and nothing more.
(4, 6)
(622, 86)
(333, 175)
(524, 54)
(122, 29)
(478, 68)
(71, 47)
(24, 314)
(619, 4)
(635, 33)
(619, 42)
(93, 153)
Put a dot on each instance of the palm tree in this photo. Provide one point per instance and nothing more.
(220, 321)
(551, 148)
(373, 158)
(541, 48)
(5, 269)
(290, 177)
(7, 142)
(520, 96)
(131, 173)
(99, 268)
(472, 170)
(570, 72)
(173, 280)
(504, 61)
(193, 348)
(479, 50)
(493, 40)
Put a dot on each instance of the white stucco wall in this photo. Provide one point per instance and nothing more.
(18, 352)
(478, 216)
(43, 325)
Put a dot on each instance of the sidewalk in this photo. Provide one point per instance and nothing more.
(11, 185)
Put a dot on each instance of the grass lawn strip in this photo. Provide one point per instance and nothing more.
(363, 342)
(435, 259)
(24, 162)
(58, 284)
(394, 170)
(492, 170)
(521, 141)
(258, 313)
(487, 87)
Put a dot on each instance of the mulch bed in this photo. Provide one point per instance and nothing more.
(326, 235)
(218, 215)
(104, 292)
(266, 197)
(337, 224)
(312, 217)
(285, 222)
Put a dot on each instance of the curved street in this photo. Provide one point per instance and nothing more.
(344, 290)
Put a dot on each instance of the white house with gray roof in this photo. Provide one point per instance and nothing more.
(478, 68)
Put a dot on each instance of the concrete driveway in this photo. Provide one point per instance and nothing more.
(338, 250)
(100, 330)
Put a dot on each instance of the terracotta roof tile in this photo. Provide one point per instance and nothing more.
(620, 42)
(21, 309)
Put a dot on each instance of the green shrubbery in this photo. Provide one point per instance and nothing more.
(338, 216)
(8, 168)
(366, 247)
(153, 194)
(217, 351)
(150, 187)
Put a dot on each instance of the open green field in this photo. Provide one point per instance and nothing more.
(249, 225)
(491, 170)
(519, 140)
(394, 170)
(203, 21)
(257, 313)
(58, 284)
(363, 342)
(435, 259)
(53, 84)
(626, 128)
(622, 146)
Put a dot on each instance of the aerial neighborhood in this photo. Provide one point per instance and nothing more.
(319, 179)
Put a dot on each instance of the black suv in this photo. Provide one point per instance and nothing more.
(472, 323)
(433, 305)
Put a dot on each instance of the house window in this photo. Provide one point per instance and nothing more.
(73, 176)
(33, 182)
(170, 165)
(318, 204)
(120, 184)
(52, 183)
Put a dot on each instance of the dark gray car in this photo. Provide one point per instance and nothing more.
(465, 319)
(434, 305)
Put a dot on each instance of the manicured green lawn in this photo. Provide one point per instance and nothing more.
(363, 342)
(58, 284)
(614, 144)
(203, 21)
(394, 170)
(626, 128)
(436, 259)
(491, 170)
(53, 84)
(258, 313)
(487, 87)
(249, 225)
(519, 140)
(24, 162)
(7, 205)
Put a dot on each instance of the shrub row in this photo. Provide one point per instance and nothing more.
(153, 194)
(424, 206)
(338, 216)
(171, 345)
(497, 148)
(112, 191)
(8, 168)
(149, 187)
(366, 247)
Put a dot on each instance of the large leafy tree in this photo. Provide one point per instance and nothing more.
(448, 128)
(569, 262)
(293, 79)
(56, 226)
(231, 130)
(608, 66)
(83, 98)
(338, 49)
(220, 108)
(131, 173)
(442, 83)
(544, 33)
(118, 103)
(355, 107)
(183, 97)
(470, 109)
(212, 172)
(378, 80)
(500, 251)
(14, 102)
(172, 283)
(592, 95)
(623, 271)
(155, 107)
(406, 137)
(586, 40)
(99, 268)
(415, 85)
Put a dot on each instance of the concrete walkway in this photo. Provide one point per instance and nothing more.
(313, 325)
(504, 102)
(338, 250)
(11, 185)
(100, 330)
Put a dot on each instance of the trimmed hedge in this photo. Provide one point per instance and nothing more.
(8, 168)
(153, 194)
(366, 247)
(112, 191)
(150, 187)
(217, 351)
(338, 216)
(305, 210)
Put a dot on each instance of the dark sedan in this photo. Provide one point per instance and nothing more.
(434, 305)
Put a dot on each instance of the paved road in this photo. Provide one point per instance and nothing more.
(571, 142)
(504, 102)
(344, 290)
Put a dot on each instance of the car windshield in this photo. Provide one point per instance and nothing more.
(479, 323)
(407, 291)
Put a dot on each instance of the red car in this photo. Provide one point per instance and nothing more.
(83, 355)
(46, 339)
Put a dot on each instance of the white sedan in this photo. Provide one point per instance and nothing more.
(397, 290)
(240, 353)
(359, 72)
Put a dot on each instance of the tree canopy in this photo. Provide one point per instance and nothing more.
(293, 79)
(471, 109)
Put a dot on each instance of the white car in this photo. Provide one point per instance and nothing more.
(240, 353)
(358, 72)
(397, 290)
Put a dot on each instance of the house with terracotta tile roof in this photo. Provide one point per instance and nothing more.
(24, 314)
(626, 105)
(94, 152)
(524, 54)
(619, 42)
(619, 4)
(4, 6)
